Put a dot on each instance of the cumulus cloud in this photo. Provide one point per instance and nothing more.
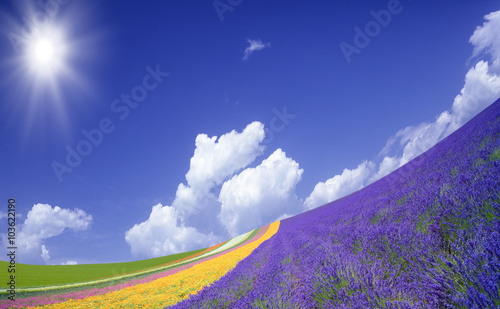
(70, 262)
(254, 45)
(164, 233)
(481, 88)
(170, 229)
(417, 139)
(215, 160)
(487, 38)
(387, 165)
(339, 185)
(42, 222)
(260, 195)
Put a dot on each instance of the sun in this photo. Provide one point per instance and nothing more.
(43, 69)
(52, 49)
(46, 53)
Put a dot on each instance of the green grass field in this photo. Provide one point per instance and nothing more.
(49, 275)
(41, 279)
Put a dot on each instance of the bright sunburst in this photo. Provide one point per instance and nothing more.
(53, 46)
(46, 54)
(48, 50)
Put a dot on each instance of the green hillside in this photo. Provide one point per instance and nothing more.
(47, 275)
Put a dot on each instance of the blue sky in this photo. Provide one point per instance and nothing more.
(310, 123)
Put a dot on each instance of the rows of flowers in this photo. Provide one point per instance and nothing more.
(110, 280)
(425, 236)
(234, 242)
(169, 289)
(54, 294)
(60, 293)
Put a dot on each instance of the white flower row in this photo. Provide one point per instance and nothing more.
(231, 243)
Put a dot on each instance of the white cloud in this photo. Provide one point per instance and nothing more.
(214, 160)
(3, 214)
(45, 254)
(164, 233)
(70, 262)
(387, 165)
(416, 140)
(188, 201)
(339, 185)
(260, 195)
(254, 45)
(43, 222)
(481, 88)
(487, 38)
(166, 230)
(169, 229)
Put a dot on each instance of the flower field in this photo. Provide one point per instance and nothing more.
(425, 236)
(57, 277)
(158, 291)
(243, 244)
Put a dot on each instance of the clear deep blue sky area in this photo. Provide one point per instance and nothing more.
(135, 129)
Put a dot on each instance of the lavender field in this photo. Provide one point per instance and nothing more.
(425, 236)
